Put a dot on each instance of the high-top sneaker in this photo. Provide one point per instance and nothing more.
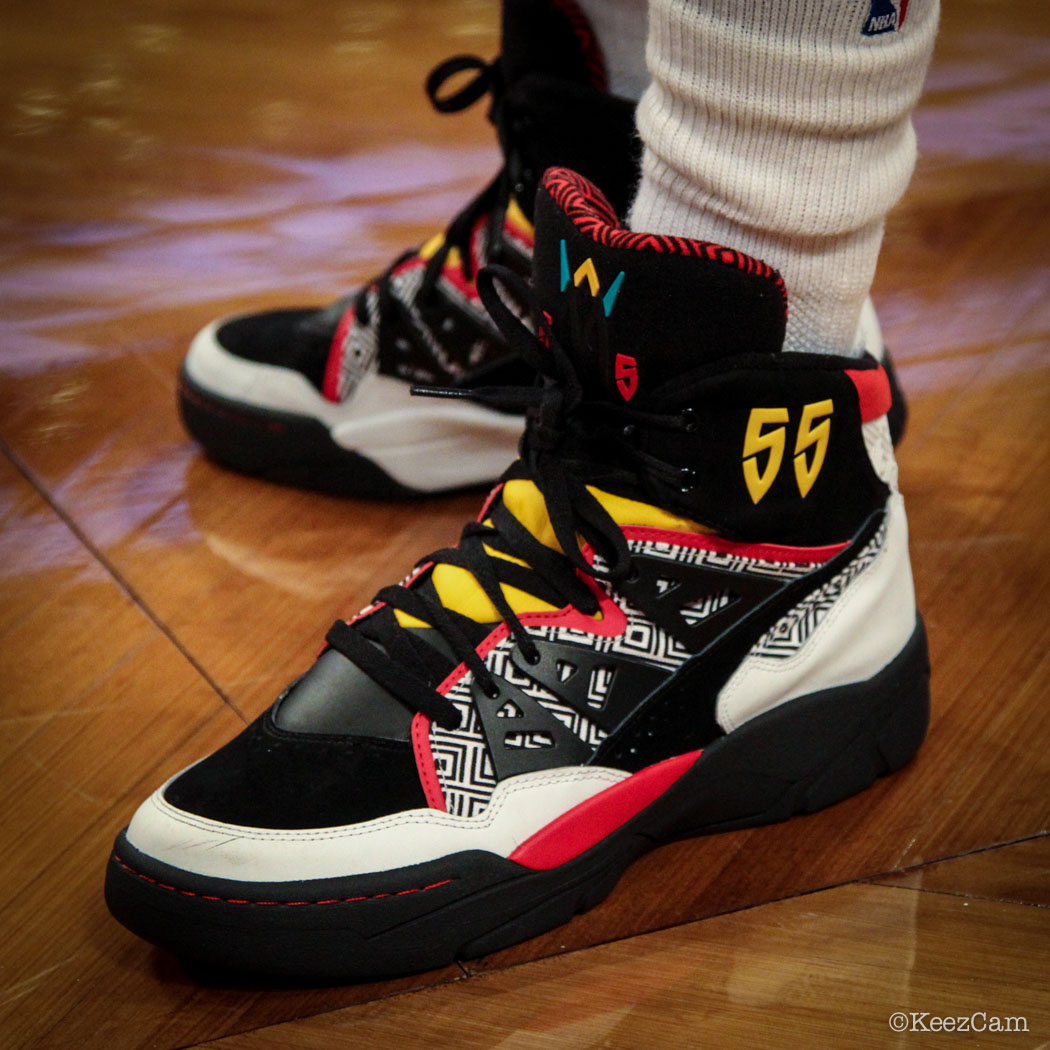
(688, 607)
(320, 397)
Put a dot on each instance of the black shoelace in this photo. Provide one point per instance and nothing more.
(391, 314)
(561, 424)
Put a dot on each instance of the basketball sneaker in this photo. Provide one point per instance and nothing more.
(687, 607)
(320, 398)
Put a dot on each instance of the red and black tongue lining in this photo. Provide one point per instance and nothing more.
(550, 38)
(637, 311)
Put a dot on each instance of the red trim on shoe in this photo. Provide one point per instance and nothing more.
(413, 262)
(277, 904)
(490, 499)
(610, 622)
(454, 276)
(586, 824)
(873, 392)
(428, 777)
(720, 545)
(593, 215)
(613, 622)
(334, 368)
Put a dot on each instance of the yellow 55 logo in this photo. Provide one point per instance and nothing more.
(758, 439)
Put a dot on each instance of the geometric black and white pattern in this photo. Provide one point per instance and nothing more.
(728, 562)
(500, 664)
(360, 343)
(784, 639)
(461, 756)
(693, 612)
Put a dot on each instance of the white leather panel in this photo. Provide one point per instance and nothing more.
(261, 385)
(428, 444)
(520, 806)
(425, 442)
(865, 629)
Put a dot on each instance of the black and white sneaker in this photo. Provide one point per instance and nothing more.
(320, 397)
(688, 607)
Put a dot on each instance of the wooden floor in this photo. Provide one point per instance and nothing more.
(163, 163)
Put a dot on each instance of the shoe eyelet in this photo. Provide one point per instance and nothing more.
(533, 659)
(686, 480)
(633, 576)
(690, 424)
(492, 692)
(629, 431)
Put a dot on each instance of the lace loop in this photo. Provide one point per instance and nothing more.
(483, 82)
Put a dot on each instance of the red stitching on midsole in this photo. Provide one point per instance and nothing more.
(285, 904)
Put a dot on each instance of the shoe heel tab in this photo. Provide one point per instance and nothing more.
(873, 388)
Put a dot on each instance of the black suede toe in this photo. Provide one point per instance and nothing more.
(296, 339)
(269, 778)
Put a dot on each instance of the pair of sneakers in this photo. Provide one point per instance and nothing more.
(686, 607)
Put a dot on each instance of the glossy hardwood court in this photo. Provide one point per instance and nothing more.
(162, 164)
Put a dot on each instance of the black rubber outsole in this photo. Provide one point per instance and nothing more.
(798, 758)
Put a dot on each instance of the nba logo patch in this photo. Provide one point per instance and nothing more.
(884, 16)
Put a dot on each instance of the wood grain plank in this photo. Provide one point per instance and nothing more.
(98, 708)
(1018, 873)
(302, 159)
(138, 211)
(822, 970)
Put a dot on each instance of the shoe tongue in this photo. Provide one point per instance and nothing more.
(637, 311)
(458, 590)
(551, 37)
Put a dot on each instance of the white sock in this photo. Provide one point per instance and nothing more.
(620, 26)
(779, 128)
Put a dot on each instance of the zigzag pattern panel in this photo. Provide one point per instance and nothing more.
(500, 664)
(359, 343)
(462, 758)
(792, 631)
(696, 611)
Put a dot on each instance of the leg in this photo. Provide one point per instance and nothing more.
(784, 130)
